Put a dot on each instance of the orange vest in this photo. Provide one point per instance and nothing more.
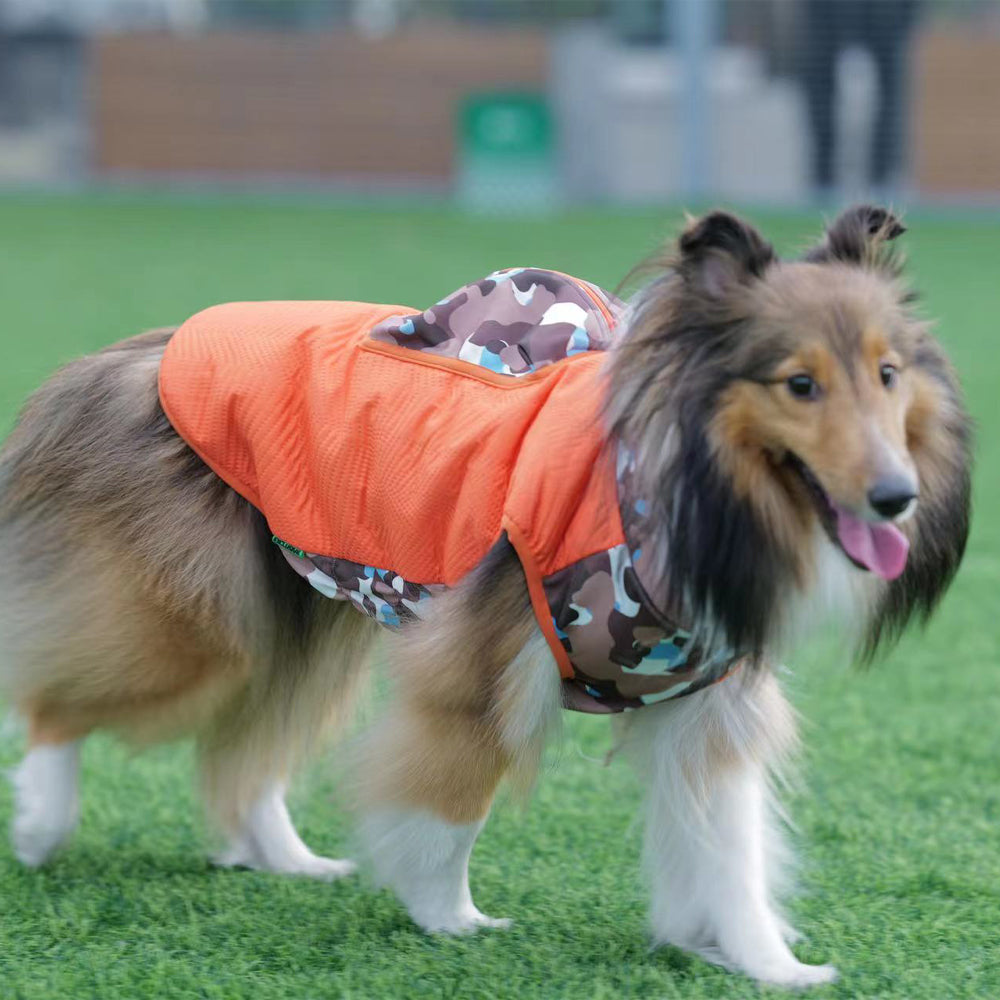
(390, 449)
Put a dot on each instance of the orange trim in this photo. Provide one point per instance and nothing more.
(539, 602)
(466, 368)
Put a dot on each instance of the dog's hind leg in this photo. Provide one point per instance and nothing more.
(46, 796)
(252, 747)
(712, 848)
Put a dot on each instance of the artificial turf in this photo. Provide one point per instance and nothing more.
(898, 817)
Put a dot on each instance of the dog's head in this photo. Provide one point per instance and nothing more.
(803, 398)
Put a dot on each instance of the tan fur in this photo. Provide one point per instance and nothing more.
(842, 435)
(134, 598)
(932, 451)
(443, 745)
(133, 593)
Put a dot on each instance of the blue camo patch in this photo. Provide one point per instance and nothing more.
(667, 652)
(493, 362)
(579, 342)
(387, 616)
(501, 276)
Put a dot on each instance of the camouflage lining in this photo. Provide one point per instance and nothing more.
(625, 652)
(379, 593)
(512, 322)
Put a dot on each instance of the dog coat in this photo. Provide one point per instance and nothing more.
(390, 449)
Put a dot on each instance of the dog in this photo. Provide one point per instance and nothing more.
(631, 509)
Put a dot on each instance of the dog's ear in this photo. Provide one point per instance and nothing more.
(860, 236)
(719, 252)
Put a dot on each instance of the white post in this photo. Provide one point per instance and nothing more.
(691, 26)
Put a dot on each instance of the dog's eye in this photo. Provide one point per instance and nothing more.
(889, 374)
(803, 386)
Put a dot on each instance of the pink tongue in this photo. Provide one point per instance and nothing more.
(881, 547)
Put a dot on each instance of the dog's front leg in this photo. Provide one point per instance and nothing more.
(433, 779)
(424, 858)
(429, 772)
(476, 694)
(711, 847)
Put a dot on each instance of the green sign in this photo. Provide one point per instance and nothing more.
(506, 153)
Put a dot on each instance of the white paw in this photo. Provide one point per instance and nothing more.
(239, 854)
(496, 923)
(42, 821)
(790, 935)
(315, 866)
(34, 840)
(794, 975)
(468, 921)
(781, 970)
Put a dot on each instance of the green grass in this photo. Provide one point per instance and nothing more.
(898, 823)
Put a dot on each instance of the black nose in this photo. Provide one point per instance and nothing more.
(891, 497)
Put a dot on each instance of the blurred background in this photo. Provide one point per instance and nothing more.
(159, 156)
(509, 104)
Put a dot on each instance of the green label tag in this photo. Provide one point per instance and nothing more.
(288, 545)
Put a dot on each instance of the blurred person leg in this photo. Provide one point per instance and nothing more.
(12, 97)
(889, 24)
(821, 47)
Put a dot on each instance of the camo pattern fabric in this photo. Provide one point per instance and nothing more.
(625, 644)
(512, 322)
(379, 593)
(624, 650)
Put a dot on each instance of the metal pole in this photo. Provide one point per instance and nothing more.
(691, 26)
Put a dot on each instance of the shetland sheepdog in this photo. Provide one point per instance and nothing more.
(802, 439)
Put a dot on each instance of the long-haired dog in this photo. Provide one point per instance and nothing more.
(801, 450)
